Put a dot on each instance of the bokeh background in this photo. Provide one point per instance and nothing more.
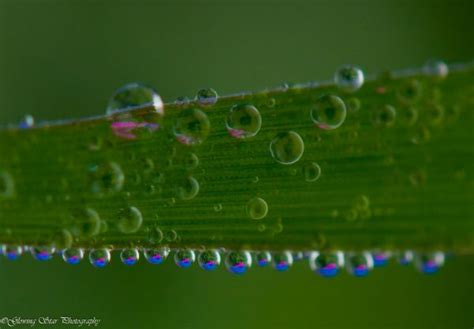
(64, 58)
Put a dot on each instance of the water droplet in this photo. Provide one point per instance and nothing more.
(282, 261)
(257, 208)
(209, 260)
(106, 178)
(207, 96)
(27, 122)
(43, 253)
(361, 202)
(409, 91)
(155, 235)
(435, 114)
(327, 265)
(243, 121)
(192, 127)
(156, 256)
(349, 78)
(409, 116)
(7, 185)
(329, 112)
(72, 256)
(385, 116)
(311, 171)
(184, 258)
(436, 68)
(238, 262)
(429, 263)
(191, 161)
(218, 207)
(86, 223)
(263, 258)
(129, 220)
(353, 104)
(12, 252)
(270, 102)
(188, 189)
(421, 136)
(129, 256)
(134, 95)
(359, 265)
(171, 235)
(287, 147)
(99, 257)
(405, 257)
(380, 258)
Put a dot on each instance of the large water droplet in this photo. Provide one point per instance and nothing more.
(43, 253)
(209, 260)
(129, 220)
(156, 256)
(73, 256)
(287, 147)
(327, 265)
(12, 252)
(129, 256)
(349, 78)
(257, 208)
(238, 262)
(192, 127)
(99, 257)
(134, 95)
(429, 263)
(243, 121)
(207, 96)
(184, 258)
(329, 112)
(282, 261)
(359, 265)
(263, 258)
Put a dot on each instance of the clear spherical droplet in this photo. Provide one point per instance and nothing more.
(257, 208)
(385, 116)
(328, 264)
(282, 261)
(73, 256)
(436, 68)
(129, 256)
(405, 257)
(329, 112)
(99, 257)
(429, 263)
(129, 220)
(134, 95)
(12, 252)
(192, 127)
(43, 253)
(287, 147)
(263, 258)
(106, 178)
(311, 171)
(243, 121)
(156, 256)
(209, 260)
(188, 189)
(87, 223)
(184, 258)
(359, 265)
(27, 122)
(238, 262)
(380, 258)
(207, 96)
(349, 78)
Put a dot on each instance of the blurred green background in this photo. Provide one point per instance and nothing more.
(63, 59)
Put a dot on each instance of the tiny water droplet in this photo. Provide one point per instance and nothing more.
(282, 261)
(327, 265)
(99, 257)
(207, 96)
(192, 127)
(421, 136)
(7, 185)
(257, 208)
(380, 258)
(360, 265)
(28, 121)
(349, 78)
(72, 256)
(156, 256)
(43, 253)
(184, 258)
(86, 223)
(129, 256)
(409, 91)
(311, 171)
(188, 189)
(329, 112)
(385, 116)
(436, 68)
(243, 121)
(134, 95)
(191, 161)
(238, 262)
(218, 207)
(12, 252)
(287, 147)
(129, 220)
(209, 260)
(405, 257)
(263, 258)
(429, 263)
(353, 104)
(106, 178)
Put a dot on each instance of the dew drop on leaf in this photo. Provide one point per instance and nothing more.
(287, 147)
(243, 121)
(328, 112)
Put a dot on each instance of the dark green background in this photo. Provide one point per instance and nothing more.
(62, 59)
